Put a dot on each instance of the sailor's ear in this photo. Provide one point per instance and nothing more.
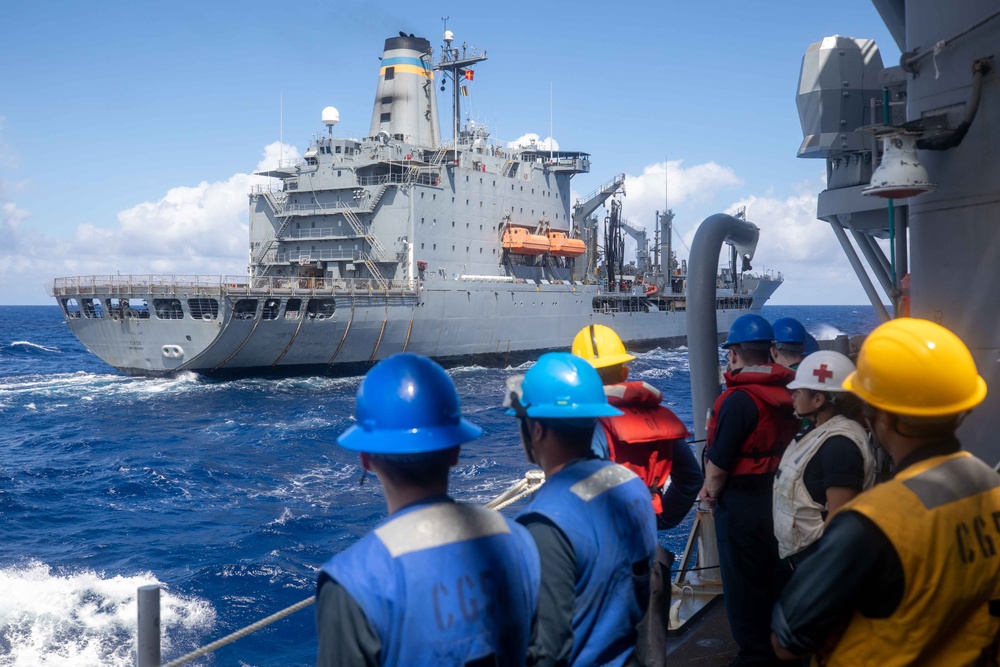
(366, 461)
(537, 429)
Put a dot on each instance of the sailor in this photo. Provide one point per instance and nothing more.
(789, 342)
(749, 426)
(907, 573)
(811, 345)
(592, 520)
(438, 582)
(828, 463)
(648, 439)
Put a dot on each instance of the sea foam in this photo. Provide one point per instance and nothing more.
(82, 619)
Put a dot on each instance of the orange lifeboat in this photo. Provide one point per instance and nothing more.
(518, 241)
(563, 246)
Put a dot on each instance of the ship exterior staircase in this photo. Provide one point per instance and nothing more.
(277, 203)
(377, 250)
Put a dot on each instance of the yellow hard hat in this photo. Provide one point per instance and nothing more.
(918, 368)
(601, 346)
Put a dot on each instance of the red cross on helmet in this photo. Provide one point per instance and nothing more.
(822, 371)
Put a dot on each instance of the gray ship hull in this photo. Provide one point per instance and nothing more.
(453, 321)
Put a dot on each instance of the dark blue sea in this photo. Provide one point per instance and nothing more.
(230, 494)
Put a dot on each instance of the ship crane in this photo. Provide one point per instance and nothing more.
(639, 236)
(586, 225)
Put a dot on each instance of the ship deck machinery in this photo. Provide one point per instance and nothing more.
(393, 242)
(911, 154)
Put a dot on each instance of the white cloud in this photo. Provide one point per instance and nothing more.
(532, 140)
(649, 191)
(803, 249)
(200, 229)
(203, 229)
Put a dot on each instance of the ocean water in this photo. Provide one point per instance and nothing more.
(229, 494)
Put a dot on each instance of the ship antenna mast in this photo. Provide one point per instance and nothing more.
(454, 64)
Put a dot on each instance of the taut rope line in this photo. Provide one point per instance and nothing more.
(523, 487)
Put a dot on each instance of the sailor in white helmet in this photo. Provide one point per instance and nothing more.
(828, 462)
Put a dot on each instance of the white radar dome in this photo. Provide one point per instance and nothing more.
(449, 36)
(331, 116)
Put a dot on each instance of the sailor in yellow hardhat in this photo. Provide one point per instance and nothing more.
(907, 573)
(648, 439)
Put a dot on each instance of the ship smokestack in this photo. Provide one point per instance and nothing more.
(405, 101)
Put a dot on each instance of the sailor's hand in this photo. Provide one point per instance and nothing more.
(707, 501)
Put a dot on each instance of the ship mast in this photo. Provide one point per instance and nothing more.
(455, 62)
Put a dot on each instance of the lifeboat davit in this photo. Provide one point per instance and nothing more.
(563, 246)
(518, 241)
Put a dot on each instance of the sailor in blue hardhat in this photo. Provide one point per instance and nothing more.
(438, 582)
(592, 519)
(749, 426)
(790, 338)
(811, 345)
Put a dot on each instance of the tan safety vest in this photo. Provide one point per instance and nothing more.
(942, 516)
(798, 519)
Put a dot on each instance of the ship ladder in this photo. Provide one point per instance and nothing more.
(148, 597)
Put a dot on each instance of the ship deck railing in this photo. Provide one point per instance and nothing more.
(197, 285)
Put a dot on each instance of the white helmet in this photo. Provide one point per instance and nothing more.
(822, 371)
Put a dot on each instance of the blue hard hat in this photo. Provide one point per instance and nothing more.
(810, 346)
(789, 330)
(563, 386)
(749, 328)
(407, 404)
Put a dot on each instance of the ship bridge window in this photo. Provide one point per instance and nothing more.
(92, 308)
(168, 309)
(387, 100)
(390, 73)
(338, 149)
(203, 309)
(321, 309)
(72, 308)
(271, 309)
(245, 309)
(384, 118)
(292, 309)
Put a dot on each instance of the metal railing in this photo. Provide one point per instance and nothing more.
(148, 597)
(307, 256)
(321, 233)
(138, 286)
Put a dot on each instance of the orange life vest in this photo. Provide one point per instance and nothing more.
(643, 438)
(761, 452)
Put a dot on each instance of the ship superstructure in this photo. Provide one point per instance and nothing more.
(460, 250)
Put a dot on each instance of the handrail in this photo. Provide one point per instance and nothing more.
(135, 286)
(148, 597)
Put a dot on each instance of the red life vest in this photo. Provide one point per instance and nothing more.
(643, 438)
(761, 452)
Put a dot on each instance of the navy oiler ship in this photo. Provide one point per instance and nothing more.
(466, 251)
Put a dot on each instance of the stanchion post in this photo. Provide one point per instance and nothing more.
(147, 641)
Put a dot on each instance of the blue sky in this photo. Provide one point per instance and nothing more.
(128, 129)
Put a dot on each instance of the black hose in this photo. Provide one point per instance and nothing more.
(980, 68)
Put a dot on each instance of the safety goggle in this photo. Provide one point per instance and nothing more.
(514, 396)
